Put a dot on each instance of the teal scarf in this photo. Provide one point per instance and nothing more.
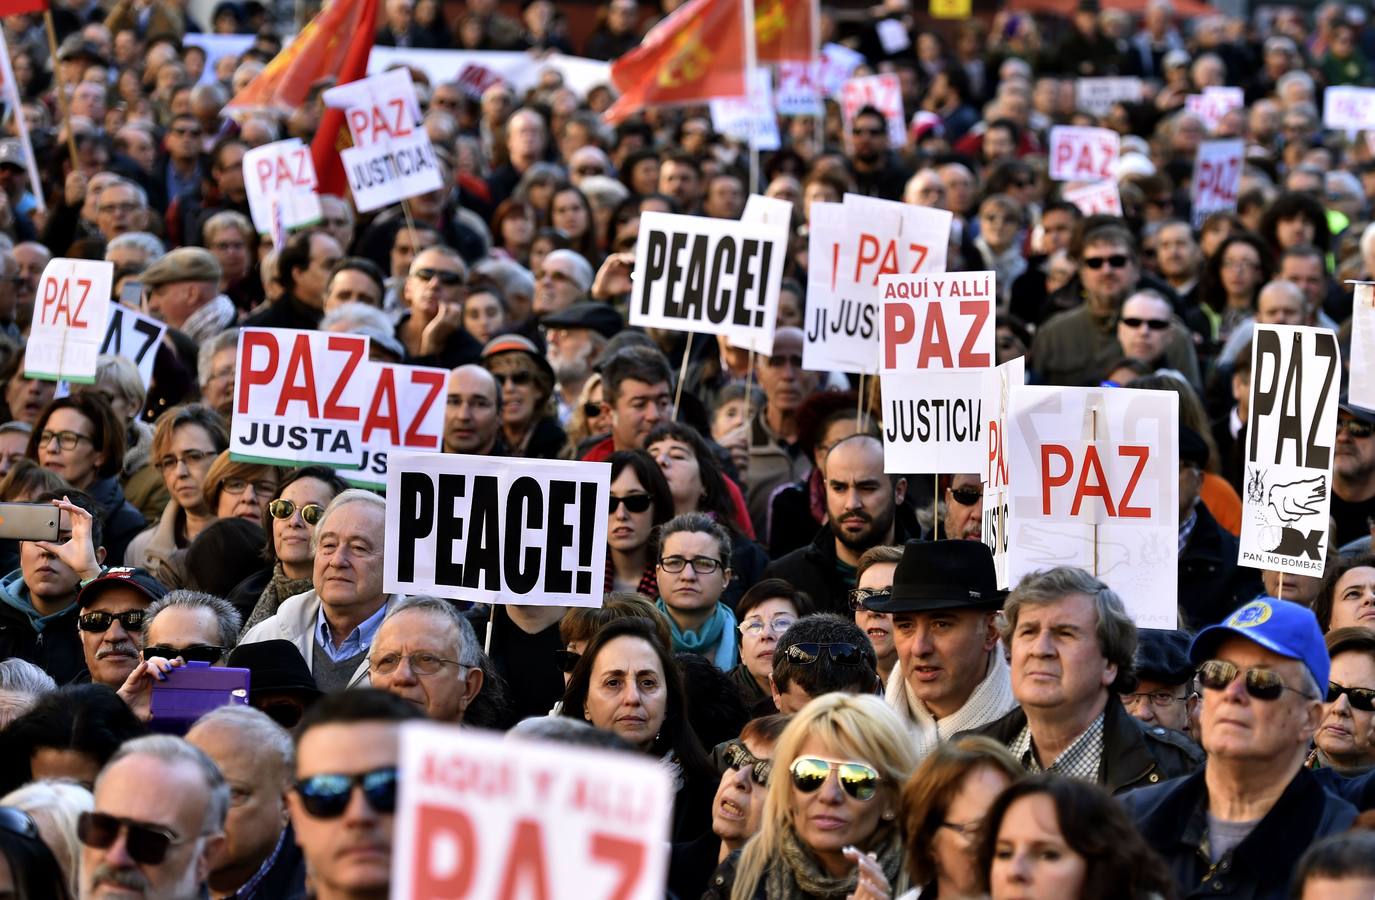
(718, 632)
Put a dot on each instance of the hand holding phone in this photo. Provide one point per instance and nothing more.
(78, 551)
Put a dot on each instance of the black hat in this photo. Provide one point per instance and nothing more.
(942, 575)
(1163, 656)
(276, 666)
(136, 579)
(1357, 412)
(597, 316)
(1192, 447)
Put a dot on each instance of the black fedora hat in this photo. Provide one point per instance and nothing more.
(942, 575)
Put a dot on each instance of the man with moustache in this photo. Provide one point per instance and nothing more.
(576, 338)
(964, 509)
(111, 621)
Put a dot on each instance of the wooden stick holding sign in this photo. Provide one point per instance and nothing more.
(682, 375)
(491, 626)
(936, 508)
(61, 87)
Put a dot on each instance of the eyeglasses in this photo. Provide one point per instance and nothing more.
(285, 712)
(1153, 324)
(446, 278)
(636, 503)
(1355, 428)
(778, 362)
(312, 513)
(327, 796)
(702, 565)
(189, 458)
(99, 622)
(1158, 699)
(860, 598)
(967, 830)
(842, 653)
(519, 378)
(1116, 261)
(1360, 698)
(566, 660)
(858, 780)
(591, 410)
(239, 485)
(67, 440)
(966, 496)
(206, 653)
(738, 757)
(421, 663)
(754, 627)
(146, 844)
(1261, 683)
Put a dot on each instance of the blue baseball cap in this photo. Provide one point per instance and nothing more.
(1280, 626)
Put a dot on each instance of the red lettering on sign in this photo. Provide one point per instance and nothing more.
(374, 420)
(248, 376)
(997, 463)
(263, 169)
(628, 857)
(898, 325)
(299, 383)
(1092, 481)
(969, 357)
(436, 382)
(353, 346)
(1124, 508)
(934, 340)
(434, 823)
(57, 299)
(525, 865)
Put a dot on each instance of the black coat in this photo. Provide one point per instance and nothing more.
(122, 521)
(1211, 584)
(286, 312)
(57, 650)
(1173, 818)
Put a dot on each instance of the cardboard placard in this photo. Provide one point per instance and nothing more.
(406, 413)
(136, 336)
(479, 816)
(1350, 108)
(523, 531)
(1290, 437)
(884, 93)
(71, 312)
(1098, 95)
(1217, 178)
(474, 80)
(1079, 153)
(279, 179)
(838, 63)
(1101, 198)
(1362, 389)
(999, 383)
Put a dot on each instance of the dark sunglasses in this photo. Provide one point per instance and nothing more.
(97, 622)
(1153, 324)
(858, 780)
(966, 496)
(1355, 428)
(738, 757)
(1116, 261)
(842, 653)
(591, 410)
(636, 503)
(1360, 698)
(778, 362)
(286, 713)
(312, 513)
(146, 844)
(206, 653)
(327, 796)
(566, 660)
(1261, 683)
(519, 378)
(448, 279)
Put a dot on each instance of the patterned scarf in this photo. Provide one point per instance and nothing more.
(796, 874)
(278, 589)
(992, 699)
(211, 319)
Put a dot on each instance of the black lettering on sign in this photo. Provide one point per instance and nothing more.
(446, 571)
(482, 558)
(1280, 394)
(675, 273)
(416, 520)
(744, 281)
(657, 252)
(722, 263)
(557, 579)
(522, 570)
(693, 289)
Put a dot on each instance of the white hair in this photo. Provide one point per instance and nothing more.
(352, 495)
(149, 244)
(170, 750)
(603, 191)
(582, 269)
(205, 356)
(468, 653)
(1295, 76)
(356, 317)
(259, 729)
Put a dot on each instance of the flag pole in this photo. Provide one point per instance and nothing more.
(682, 376)
(751, 61)
(815, 64)
(17, 110)
(61, 88)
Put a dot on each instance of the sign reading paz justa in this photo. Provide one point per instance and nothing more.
(999, 383)
(1295, 381)
(71, 312)
(1094, 483)
(280, 177)
(523, 531)
(1079, 153)
(481, 817)
(937, 340)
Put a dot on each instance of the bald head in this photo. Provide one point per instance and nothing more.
(861, 500)
(471, 411)
(1280, 303)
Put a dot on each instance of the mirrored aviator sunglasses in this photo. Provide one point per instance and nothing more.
(284, 509)
(856, 779)
(327, 796)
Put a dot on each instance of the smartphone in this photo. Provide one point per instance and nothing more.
(30, 521)
(191, 691)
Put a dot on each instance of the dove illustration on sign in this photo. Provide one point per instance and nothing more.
(1291, 502)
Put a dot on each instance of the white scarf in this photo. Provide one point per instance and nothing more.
(211, 319)
(991, 700)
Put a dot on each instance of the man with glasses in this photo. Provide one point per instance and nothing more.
(1143, 330)
(873, 164)
(192, 626)
(1353, 472)
(775, 457)
(122, 208)
(431, 329)
(157, 822)
(821, 654)
(1239, 826)
(114, 608)
(427, 654)
(344, 796)
(693, 571)
(1164, 696)
(182, 169)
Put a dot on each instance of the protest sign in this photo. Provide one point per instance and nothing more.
(998, 385)
(1217, 178)
(490, 530)
(741, 117)
(951, 9)
(217, 47)
(1295, 381)
(884, 93)
(482, 817)
(1346, 107)
(1101, 198)
(767, 211)
(1094, 483)
(708, 276)
(520, 69)
(1362, 390)
(893, 36)
(406, 412)
(136, 336)
(798, 89)
(281, 176)
(474, 80)
(391, 158)
(1214, 103)
(838, 63)
(1098, 95)
(70, 315)
(1079, 153)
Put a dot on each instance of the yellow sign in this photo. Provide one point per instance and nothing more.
(951, 9)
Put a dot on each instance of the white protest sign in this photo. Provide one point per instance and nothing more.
(491, 530)
(838, 62)
(999, 383)
(1295, 381)
(1214, 103)
(391, 158)
(1362, 389)
(1078, 153)
(474, 80)
(1100, 198)
(1348, 108)
(767, 211)
(136, 336)
(281, 173)
(1217, 178)
(71, 311)
(406, 412)
(481, 817)
(798, 89)
(1098, 95)
(1094, 483)
(216, 47)
(884, 93)
(522, 70)
(709, 276)
(893, 36)
(299, 397)
(741, 117)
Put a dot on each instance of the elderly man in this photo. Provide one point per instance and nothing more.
(1280, 302)
(192, 625)
(157, 822)
(114, 609)
(775, 457)
(32, 257)
(334, 623)
(527, 139)
(347, 752)
(951, 674)
(183, 291)
(122, 207)
(563, 279)
(1072, 645)
(354, 279)
(577, 336)
(1238, 827)
(427, 654)
(337, 219)
(1164, 695)
(472, 413)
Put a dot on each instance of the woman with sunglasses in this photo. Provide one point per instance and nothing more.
(1345, 741)
(626, 682)
(640, 503)
(529, 423)
(830, 816)
(186, 440)
(765, 611)
(238, 489)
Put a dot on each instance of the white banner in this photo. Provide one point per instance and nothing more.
(1295, 382)
(1101, 198)
(999, 383)
(281, 175)
(1217, 178)
(1078, 153)
(492, 530)
(1348, 108)
(1098, 95)
(71, 311)
(739, 117)
(136, 336)
(1362, 390)
(883, 92)
(520, 69)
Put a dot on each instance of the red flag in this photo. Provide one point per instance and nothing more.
(783, 31)
(695, 54)
(20, 7)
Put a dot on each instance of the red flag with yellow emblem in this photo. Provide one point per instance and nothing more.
(785, 30)
(696, 54)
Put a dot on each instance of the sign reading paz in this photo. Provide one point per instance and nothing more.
(481, 817)
(999, 384)
(281, 176)
(1079, 153)
(1217, 178)
(1295, 381)
(71, 310)
(520, 531)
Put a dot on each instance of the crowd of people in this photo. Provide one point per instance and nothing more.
(846, 703)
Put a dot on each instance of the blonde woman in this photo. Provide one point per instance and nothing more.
(55, 806)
